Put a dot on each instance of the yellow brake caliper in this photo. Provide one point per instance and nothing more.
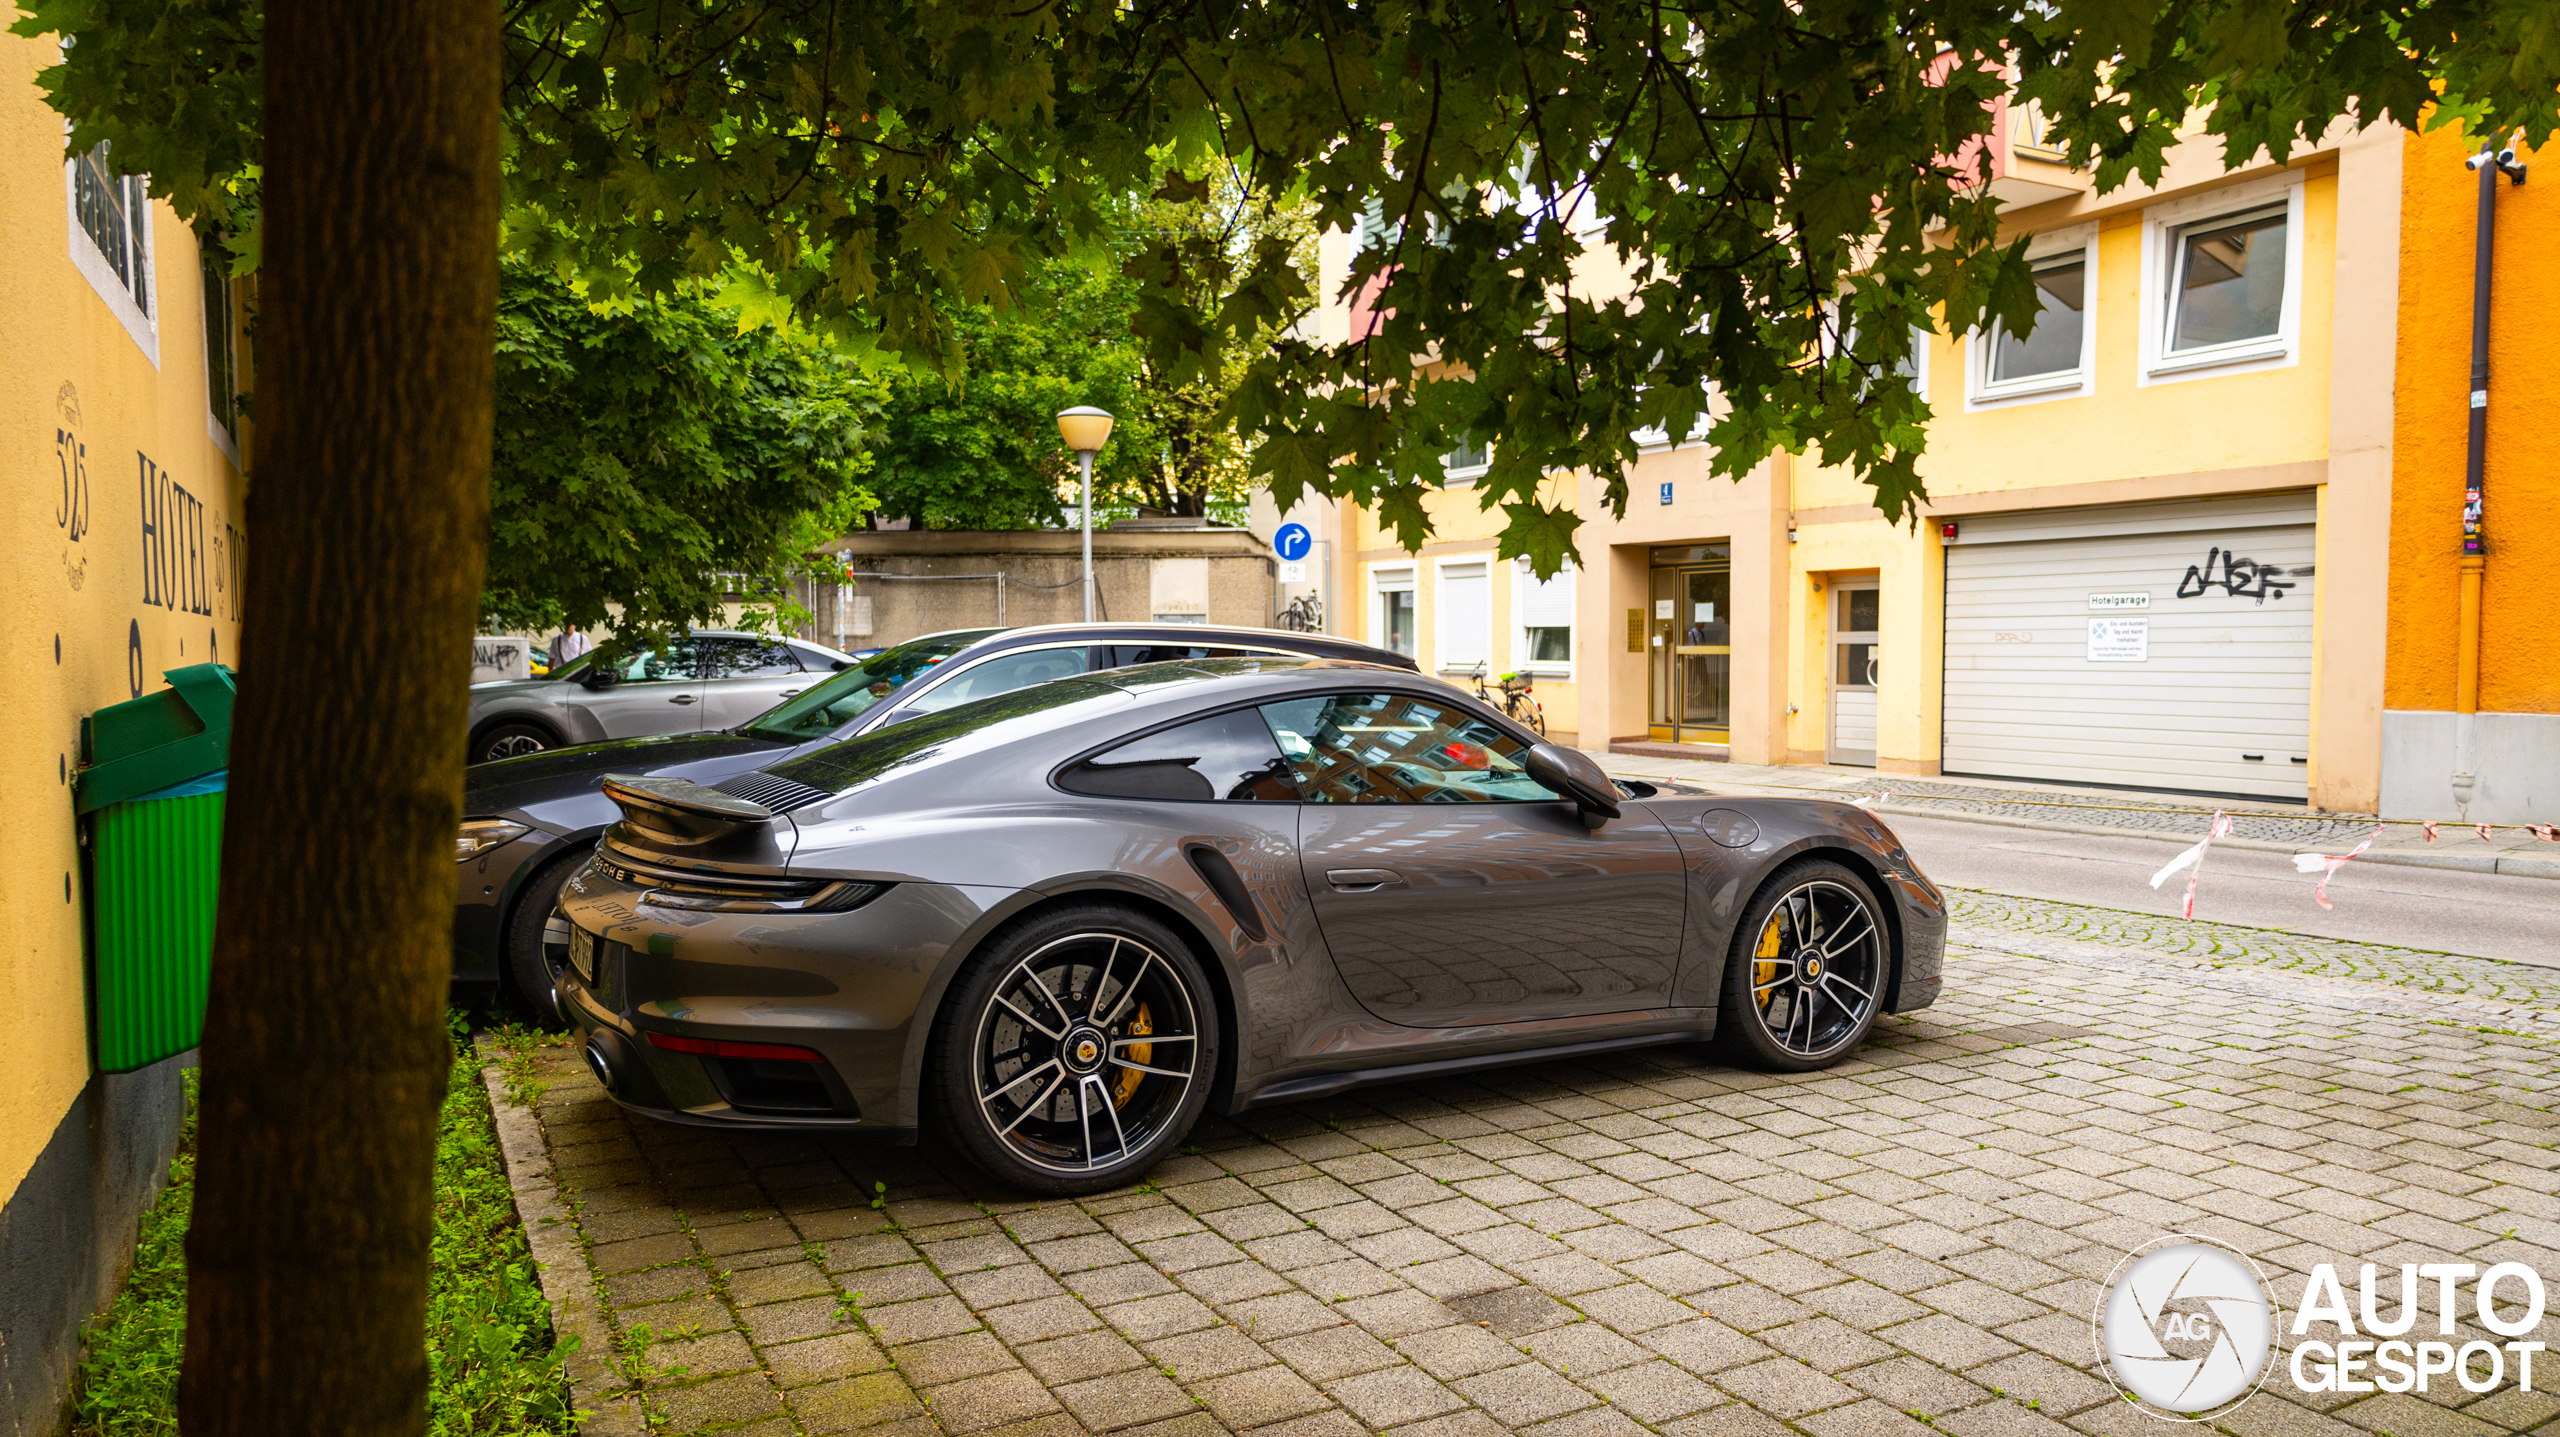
(1765, 971)
(1127, 1088)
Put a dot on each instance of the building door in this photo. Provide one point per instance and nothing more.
(1854, 607)
(1691, 657)
(2158, 646)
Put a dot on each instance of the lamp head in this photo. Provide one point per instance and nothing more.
(1084, 428)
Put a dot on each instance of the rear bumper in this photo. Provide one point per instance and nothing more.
(851, 987)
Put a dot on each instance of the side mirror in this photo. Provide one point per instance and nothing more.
(1570, 773)
(841, 665)
(600, 676)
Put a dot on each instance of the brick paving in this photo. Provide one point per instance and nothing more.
(1910, 1242)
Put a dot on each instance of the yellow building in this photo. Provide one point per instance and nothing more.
(120, 559)
(2118, 579)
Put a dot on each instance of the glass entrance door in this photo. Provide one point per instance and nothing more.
(1691, 652)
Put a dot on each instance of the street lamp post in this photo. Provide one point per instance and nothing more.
(1085, 430)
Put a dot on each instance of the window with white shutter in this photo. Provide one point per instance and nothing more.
(1465, 605)
(1543, 609)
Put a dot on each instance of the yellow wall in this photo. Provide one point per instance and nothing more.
(78, 628)
(2519, 622)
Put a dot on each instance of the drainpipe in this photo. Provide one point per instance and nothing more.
(2489, 163)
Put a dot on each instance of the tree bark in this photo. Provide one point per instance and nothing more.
(325, 1050)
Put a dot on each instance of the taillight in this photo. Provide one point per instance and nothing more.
(720, 1048)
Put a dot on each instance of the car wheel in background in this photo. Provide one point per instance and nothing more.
(537, 941)
(1075, 1051)
(511, 740)
(1806, 977)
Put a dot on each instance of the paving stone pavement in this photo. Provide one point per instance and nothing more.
(1911, 1241)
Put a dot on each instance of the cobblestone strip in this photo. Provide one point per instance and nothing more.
(1909, 1242)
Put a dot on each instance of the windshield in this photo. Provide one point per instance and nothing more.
(849, 694)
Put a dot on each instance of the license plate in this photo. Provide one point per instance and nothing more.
(582, 954)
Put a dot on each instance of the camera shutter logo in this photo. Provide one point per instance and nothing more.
(2186, 1327)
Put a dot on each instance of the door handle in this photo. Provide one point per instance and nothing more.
(681, 699)
(790, 693)
(1361, 880)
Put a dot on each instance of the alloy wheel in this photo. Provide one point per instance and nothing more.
(1817, 970)
(1085, 1050)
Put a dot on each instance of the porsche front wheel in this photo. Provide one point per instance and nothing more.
(1807, 974)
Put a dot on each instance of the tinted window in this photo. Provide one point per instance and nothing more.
(1001, 675)
(852, 692)
(1123, 655)
(1229, 756)
(1390, 748)
(748, 658)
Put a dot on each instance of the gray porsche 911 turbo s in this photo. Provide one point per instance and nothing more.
(1060, 924)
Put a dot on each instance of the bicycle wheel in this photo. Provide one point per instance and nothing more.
(1529, 712)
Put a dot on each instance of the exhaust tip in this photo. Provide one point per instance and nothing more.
(599, 1063)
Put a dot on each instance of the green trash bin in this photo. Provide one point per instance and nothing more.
(151, 782)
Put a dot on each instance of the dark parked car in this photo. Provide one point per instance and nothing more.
(1060, 924)
(532, 819)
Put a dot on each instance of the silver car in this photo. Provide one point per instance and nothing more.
(709, 680)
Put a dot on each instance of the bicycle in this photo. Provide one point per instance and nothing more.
(1303, 615)
(1516, 702)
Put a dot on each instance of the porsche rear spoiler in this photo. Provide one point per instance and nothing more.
(680, 812)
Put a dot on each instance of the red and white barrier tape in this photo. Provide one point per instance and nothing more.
(2194, 858)
(2327, 865)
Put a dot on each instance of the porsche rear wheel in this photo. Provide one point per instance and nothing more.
(1806, 978)
(1076, 1051)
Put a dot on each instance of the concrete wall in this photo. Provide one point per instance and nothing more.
(121, 521)
(1141, 574)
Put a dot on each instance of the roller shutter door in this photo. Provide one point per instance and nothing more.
(2143, 646)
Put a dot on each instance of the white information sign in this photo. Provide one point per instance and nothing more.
(1662, 608)
(2120, 641)
(1293, 573)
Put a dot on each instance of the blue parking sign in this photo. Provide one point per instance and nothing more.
(1293, 542)
(1666, 491)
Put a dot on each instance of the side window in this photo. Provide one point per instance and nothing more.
(1001, 675)
(1392, 748)
(680, 660)
(747, 659)
(1123, 655)
(1230, 756)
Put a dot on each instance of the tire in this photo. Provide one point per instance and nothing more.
(1079, 1016)
(536, 941)
(512, 739)
(1794, 1006)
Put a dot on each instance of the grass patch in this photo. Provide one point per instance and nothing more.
(494, 1366)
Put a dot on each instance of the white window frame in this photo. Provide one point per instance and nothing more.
(1523, 577)
(1658, 436)
(2163, 226)
(1466, 474)
(95, 267)
(1390, 579)
(1440, 612)
(1981, 392)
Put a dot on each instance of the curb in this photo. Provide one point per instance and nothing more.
(606, 1405)
(2505, 864)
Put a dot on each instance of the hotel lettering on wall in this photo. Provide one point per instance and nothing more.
(173, 544)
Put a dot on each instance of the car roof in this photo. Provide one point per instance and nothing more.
(1290, 640)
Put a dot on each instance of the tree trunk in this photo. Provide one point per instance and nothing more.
(324, 1053)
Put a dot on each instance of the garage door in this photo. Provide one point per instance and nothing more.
(2144, 646)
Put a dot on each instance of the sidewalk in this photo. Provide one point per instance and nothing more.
(2271, 827)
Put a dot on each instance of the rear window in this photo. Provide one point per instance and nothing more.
(970, 727)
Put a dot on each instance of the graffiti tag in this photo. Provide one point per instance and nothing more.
(2240, 578)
